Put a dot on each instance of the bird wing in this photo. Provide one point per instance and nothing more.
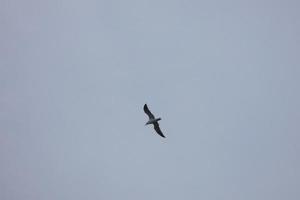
(157, 129)
(147, 111)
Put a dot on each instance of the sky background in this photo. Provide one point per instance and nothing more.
(224, 77)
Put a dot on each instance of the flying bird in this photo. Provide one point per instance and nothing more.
(153, 120)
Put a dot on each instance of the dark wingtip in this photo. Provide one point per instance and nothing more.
(145, 107)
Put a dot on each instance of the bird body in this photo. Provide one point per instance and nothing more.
(153, 120)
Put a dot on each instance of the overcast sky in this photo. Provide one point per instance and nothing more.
(224, 77)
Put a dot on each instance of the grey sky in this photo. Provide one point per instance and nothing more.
(223, 76)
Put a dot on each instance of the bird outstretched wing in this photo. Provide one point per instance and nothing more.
(157, 129)
(147, 111)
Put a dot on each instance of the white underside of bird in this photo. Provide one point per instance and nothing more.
(152, 121)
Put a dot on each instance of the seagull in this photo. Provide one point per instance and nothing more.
(153, 120)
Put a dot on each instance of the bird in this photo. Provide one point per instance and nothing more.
(153, 120)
